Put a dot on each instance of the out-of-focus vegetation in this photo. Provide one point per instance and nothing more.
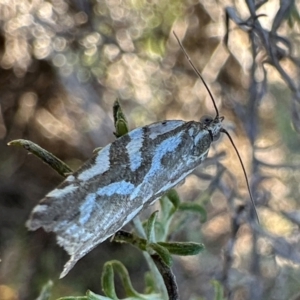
(62, 66)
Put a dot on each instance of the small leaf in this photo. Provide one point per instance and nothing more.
(195, 208)
(149, 283)
(121, 128)
(122, 236)
(161, 230)
(46, 291)
(73, 298)
(166, 210)
(107, 281)
(174, 198)
(124, 275)
(182, 248)
(219, 291)
(55, 163)
(162, 252)
(92, 296)
(120, 121)
(150, 227)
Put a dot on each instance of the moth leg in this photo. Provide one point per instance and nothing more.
(96, 150)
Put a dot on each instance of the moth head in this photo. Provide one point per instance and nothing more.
(213, 125)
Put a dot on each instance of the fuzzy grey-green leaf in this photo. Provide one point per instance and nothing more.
(107, 281)
(120, 121)
(182, 248)
(150, 227)
(46, 156)
(195, 208)
(162, 252)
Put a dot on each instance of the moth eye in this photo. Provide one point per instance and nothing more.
(206, 119)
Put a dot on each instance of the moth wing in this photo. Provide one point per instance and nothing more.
(71, 192)
(99, 217)
(95, 236)
(160, 128)
(81, 218)
(67, 196)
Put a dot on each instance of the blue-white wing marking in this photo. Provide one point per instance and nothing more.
(101, 165)
(134, 148)
(160, 128)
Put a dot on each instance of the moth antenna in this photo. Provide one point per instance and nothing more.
(217, 115)
(198, 73)
(244, 171)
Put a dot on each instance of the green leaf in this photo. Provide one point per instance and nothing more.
(165, 212)
(120, 121)
(121, 128)
(219, 290)
(183, 248)
(169, 204)
(124, 275)
(149, 283)
(160, 230)
(162, 252)
(150, 228)
(46, 291)
(107, 280)
(126, 237)
(55, 163)
(174, 198)
(130, 292)
(93, 296)
(195, 208)
(73, 298)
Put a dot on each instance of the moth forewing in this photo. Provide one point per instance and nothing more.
(119, 181)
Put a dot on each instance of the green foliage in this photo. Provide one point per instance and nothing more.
(120, 121)
(108, 287)
(108, 282)
(182, 248)
(219, 290)
(195, 208)
(46, 291)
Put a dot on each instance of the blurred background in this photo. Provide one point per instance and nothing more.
(63, 64)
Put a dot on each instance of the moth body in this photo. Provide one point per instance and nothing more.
(120, 180)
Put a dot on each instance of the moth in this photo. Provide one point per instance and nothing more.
(122, 179)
